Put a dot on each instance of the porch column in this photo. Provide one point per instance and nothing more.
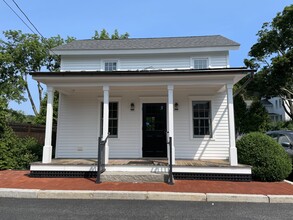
(171, 120)
(232, 150)
(106, 121)
(47, 149)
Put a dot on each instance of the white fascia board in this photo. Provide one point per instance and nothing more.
(144, 51)
(127, 81)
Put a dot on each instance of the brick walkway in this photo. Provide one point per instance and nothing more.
(19, 179)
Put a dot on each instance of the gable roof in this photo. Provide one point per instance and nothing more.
(149, 43)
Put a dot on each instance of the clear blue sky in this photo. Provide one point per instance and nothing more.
(238, 20)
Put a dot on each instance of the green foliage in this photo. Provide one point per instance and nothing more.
(104, 35)
(18, 117)
(240, 110)
(273, 55)
(255, 118)
(16, 153)
(281, 125)
(268, 159)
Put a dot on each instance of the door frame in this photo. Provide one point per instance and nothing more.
(146, 100)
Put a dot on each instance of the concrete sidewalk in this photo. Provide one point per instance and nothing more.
(18, 185)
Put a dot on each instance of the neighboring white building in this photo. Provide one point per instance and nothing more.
(275, 109)
(142, 88)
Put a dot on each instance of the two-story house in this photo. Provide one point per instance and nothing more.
(275, 109)
(140, 91)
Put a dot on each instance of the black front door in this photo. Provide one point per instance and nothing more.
(154, 130)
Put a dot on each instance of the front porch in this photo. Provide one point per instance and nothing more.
(184, 169)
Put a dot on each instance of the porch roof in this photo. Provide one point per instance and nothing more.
(184, 77)
(143, 73)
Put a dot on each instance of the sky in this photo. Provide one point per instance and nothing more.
(239, 20)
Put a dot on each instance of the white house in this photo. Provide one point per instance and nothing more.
(137, 89)
(275, 109)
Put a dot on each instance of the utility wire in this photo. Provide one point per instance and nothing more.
(26, 23)
(32, 25)
(19, 16)
(28, 19)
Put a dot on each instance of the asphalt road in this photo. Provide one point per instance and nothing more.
(122, 209)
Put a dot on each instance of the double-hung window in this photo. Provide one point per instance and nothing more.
(200, 63)
(201, 112)
(110, 65)
(113, 119)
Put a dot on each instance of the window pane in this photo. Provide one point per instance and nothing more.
(113, 119)
(200, 63)
(110, 66)
(201, 118)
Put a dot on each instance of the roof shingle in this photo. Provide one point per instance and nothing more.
(149, 43)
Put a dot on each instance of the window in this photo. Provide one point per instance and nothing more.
(113, 119)
(110, 66)
(280, 103)
(200, 63)
(201, 118)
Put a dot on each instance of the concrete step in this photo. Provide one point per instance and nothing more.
(133, 177)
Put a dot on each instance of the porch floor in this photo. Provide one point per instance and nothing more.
(184, 169)
(144, 162)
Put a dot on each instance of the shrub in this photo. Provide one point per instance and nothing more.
(16, 153)
(268, 159)
(281, 125)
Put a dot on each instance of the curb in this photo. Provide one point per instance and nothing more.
(142, 195)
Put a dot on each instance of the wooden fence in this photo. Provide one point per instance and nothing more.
(35, 131)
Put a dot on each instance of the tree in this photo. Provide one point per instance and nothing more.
(104, 35)
(273, 56)
(254, 118)
(21, 54)
(257, 118)
(240, 109)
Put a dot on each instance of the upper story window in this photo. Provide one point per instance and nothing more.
(200, 63)
(110, 66)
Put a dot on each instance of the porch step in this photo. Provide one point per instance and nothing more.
(133, 177)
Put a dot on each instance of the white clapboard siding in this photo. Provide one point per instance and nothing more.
(80, 63)
(218, 61)
(217, 147)
(162, 62)
(77, 127)
(79, 119)
(140, 62)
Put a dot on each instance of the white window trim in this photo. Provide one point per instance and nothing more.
(192, 59)
(110, 60)
(111, 99)
(200, 98)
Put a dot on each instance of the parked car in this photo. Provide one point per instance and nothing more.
(285, 138)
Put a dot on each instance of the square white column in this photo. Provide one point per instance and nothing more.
(106, 121)
(47, 149)
(232, 150)
(171, 120)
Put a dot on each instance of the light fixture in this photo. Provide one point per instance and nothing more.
(132, 106)
(176, 106)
